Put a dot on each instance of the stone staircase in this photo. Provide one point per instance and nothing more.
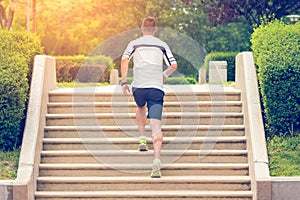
(90, 147)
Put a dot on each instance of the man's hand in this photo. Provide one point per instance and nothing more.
(124, 70)
(126, 90)
(169, 71)
(164, 79)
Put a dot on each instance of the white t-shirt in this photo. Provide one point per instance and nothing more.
(148, 53)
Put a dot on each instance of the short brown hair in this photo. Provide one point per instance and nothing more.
(149, 24)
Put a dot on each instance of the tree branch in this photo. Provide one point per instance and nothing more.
(2, 17)
(10, 15)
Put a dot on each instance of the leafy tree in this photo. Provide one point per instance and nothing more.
(250, 11)
(76, 27)
(231, 37)
(190, 18)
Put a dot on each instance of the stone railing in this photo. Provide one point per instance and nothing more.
(43, 80)
(246, 81)
(264, 187)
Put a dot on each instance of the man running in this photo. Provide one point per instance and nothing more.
(148, 53)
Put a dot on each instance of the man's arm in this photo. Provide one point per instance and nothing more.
(170, 70)
(124, 71)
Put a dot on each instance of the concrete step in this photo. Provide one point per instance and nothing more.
(128, 119)
(118, 156)
(90, 146)
(121, 98)
(122, 183)
(116, 170)
(130, 107)
(132, 131)
(186, 94)
(142, 194)
(193, 143)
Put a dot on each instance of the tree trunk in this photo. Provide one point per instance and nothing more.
(2, 16)
(10, 16)
(6, 23)
(34, 16)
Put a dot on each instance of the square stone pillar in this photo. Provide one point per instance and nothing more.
(217, 71)
(202, 76)
(114, 77)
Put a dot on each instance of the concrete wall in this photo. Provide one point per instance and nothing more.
(285, 188)
(6, 190)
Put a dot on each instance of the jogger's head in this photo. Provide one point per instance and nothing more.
(149, 26)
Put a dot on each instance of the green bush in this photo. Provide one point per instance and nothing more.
(191, 80)
(28, 45)
(276, 51)
(177, 80)
(185, 67)
(13, 95)
(173, 80)
(222, 56)
(83, 69)
(17, 51)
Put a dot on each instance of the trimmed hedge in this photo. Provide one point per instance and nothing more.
(17, 50)
(277, 56)
(173, 80)
(222, 56)
(83, 69)
(20, 42)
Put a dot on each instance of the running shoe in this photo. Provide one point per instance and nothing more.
(143, 144)
(156, 169)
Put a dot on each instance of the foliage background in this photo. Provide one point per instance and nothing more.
(77, 27)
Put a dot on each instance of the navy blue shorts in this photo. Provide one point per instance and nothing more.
(154, 99)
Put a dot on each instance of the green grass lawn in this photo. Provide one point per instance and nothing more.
(284, 156)
(9, 164)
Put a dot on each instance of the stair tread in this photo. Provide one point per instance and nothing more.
(126, 115)
(143, 179)
(135, 152)
(144, 193)
(185, 103)
(145, 166)
(164, 127)
(168, 89)
(133, 140)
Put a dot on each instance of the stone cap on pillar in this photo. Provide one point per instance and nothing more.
(217, 71)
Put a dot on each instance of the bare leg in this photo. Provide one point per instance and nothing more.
(157, 137)
(141, 119)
